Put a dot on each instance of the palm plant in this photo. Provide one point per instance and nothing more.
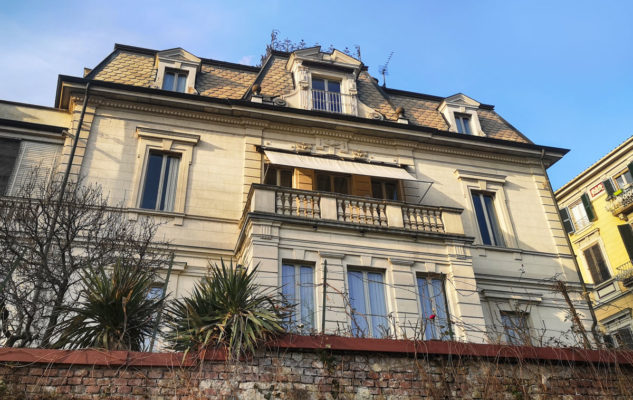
(116, 310)
(226, 309)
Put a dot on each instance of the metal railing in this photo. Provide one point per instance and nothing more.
(625, 272)
(618, 203)
(334, 102)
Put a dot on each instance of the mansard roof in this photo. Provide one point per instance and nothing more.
(139, 67)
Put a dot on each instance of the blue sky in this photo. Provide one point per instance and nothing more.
(559, 71)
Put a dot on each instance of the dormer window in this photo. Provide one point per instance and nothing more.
(326, 95)
(462, 123)
(175, 80)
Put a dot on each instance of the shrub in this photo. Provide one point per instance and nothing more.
(115, 311)
(226, 309)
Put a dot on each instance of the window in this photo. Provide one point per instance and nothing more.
(463, 123)
(579, 215)
(596, 264)
(326, 95)
(332, 183)
(435, 320)
(623, 337)
(159, 187)
(624, 180)
(279, 177)
(175, 80)
(367, 303)
(9, 149)
(516, 328)
(298, 289)
(487, 219)
(384, 189)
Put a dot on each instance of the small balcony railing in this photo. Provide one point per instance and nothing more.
(353, 210)
(625, 273)
(621, 203)
(334, 102)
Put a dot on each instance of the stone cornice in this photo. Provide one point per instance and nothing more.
(305, 130)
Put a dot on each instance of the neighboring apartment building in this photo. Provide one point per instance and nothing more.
(434, 215)
(596, 207)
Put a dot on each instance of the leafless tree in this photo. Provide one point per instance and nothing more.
(41, 256)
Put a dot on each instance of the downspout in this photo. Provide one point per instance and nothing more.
(585, 293)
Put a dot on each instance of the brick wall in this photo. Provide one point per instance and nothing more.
(321, 371)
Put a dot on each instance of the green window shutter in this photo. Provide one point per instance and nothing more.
(630, 167)
(608, 186)
(567, 224)
(588, 207)
(626, 232)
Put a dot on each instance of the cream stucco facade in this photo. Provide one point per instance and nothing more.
(225, 208)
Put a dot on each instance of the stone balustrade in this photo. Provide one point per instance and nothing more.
(353, 210)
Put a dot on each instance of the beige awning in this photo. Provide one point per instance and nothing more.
(340, 166)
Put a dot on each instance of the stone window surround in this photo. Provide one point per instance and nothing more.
(451, 106)
(494, 185)
(190, 67)
(166, 141)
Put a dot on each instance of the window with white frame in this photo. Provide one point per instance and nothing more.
(368, 304)
(462, 123)
(297, 288)
(578, 215)
(435, 320)
(487, 218)
(160, 182)
(516, 327)
(624, 179)
(596, 263)
(175, 80)
(326, 95)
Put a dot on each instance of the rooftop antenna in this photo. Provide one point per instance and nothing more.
(384, 70)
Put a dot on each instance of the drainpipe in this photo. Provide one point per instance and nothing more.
(585, 293)
(71, 157)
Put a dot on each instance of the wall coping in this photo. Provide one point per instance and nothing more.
(334, 343)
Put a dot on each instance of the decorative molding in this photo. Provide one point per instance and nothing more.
(290, 128)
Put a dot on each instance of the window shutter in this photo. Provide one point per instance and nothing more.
(9, 149)
(588, 207)
(33, 156)
(567, 224)
(608, 186)
(630, 167)
(626, 232)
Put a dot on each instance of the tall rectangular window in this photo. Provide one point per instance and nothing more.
(435, 321)
(487, 219)
(516, 328)
(297, 288)
(326, 95)
(384, 189)
(463, 123)
(579, 215)
(367, 302)
(279, 177)
(175, 80)
(623, 180)
(332, 183)
(161, 176)
(623, 338)
(596, 264)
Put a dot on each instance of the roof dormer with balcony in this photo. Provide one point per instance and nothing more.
(326, 82)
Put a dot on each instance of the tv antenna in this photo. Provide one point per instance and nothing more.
(384, 70)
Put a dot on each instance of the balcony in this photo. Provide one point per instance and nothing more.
(352, 211)
(621, 203)
(625, 273)
(334, 102)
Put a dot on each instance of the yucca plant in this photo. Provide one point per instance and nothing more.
(115, 312)
(226, 309)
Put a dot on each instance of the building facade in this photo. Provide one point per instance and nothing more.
(596, 208)
(379, 212)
